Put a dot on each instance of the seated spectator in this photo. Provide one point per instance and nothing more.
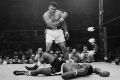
(75, 56)
(84, 54)
(36, 59)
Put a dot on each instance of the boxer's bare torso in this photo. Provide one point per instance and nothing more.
(52, 19)
(71, 66)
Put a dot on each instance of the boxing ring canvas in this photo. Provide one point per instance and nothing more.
(6, 72)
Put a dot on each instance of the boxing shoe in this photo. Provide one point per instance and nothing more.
(19, 72)
(32, 68)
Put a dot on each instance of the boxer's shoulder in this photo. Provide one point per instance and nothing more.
(59, 11)
(46, 13)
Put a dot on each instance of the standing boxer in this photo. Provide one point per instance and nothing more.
(56, 29)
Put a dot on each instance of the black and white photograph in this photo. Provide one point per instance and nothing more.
(59, 39)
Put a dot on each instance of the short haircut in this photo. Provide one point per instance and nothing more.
(53, 3)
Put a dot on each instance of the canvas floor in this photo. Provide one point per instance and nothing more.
(6, 72)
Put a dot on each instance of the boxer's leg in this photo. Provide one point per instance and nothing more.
(44, 71)
(32, 68)
(48, 46)
(60, 39)
(49, 40)
(64, 49)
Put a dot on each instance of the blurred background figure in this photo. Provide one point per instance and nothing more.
(94, 49)
(75, 56)
(38, 55)
(37, 63)
(84, 54)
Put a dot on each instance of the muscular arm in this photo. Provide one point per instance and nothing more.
(68, 75)
(75, 73)
(64, 26)
(49, 22)
(52, 24)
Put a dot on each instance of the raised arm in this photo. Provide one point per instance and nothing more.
(50, 23)
(64, 14)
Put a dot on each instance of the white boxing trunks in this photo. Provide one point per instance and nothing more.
(56, 35)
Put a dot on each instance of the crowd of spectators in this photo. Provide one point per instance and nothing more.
(29, 56)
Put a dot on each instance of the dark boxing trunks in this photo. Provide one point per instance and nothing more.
(90, 70)
(89, 67)
(56, 65)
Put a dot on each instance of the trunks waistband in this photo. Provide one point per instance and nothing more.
(53, 29)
